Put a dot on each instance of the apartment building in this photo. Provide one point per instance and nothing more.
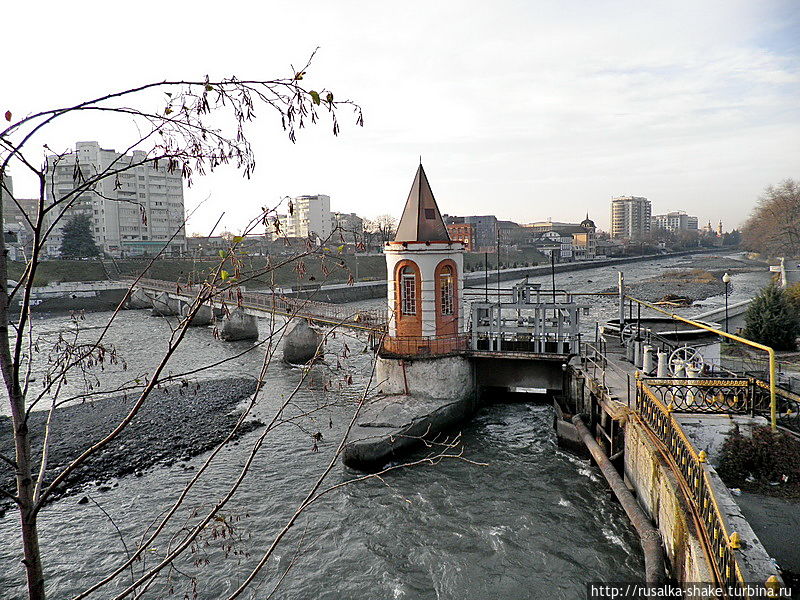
(17, 215)
(674, 221)
(136, 212)
(464, 233)
(630, 217)
(311, 217)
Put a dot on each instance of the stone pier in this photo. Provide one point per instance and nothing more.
(202, 318)
(238, 325)
(139, 299)
(164, 306)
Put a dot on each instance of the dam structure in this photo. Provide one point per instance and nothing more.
(640, 399)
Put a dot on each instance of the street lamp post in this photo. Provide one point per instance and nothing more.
(726, 279)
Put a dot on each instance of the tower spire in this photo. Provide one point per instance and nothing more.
(421, 220)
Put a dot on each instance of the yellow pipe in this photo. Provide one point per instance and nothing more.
(773, 405)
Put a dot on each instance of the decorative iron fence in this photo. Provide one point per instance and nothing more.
(704, 395)
(727, 396)
(788, 404)
(692, 468)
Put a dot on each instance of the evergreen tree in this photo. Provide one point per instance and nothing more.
(77, 240)
(772, 320)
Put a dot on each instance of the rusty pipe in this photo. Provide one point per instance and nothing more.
(649, 537)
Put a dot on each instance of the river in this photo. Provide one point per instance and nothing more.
(519, 519)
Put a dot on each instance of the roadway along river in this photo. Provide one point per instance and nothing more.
(533, 522)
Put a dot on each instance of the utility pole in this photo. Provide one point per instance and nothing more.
(486, 276)
(498, 264)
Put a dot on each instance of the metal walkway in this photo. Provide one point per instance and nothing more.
(266, 303)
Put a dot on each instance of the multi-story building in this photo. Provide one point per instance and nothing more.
(674, 221)
(583, 245)
(584, 241)
(555, 243)
(138, 211)
(464, 233)
(350, 225)
(485, 229)
(630, 217)
(18, 213)
(310, 217)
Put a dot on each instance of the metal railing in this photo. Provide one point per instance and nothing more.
(770, 352)
(788, 404)
(436, 345)
(710, 396)
(692, 468)
(231, 296)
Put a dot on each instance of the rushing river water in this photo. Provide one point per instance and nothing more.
(519, 519)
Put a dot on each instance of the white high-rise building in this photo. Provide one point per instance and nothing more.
(630, 217)
(136, 212)
(311, 217)
(674, 221)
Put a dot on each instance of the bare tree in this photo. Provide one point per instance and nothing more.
(773, 228)
(183, 134)
(381, 229)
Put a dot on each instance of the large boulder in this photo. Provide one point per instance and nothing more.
(238, 325)
(301, 344)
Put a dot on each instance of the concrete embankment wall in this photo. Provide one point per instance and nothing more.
(367, 290)
(659, 494)
(89, 300)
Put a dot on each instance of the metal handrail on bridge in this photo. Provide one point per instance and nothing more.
(366, 319)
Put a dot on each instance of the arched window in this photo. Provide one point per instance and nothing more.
(446, 282)
(408, 291)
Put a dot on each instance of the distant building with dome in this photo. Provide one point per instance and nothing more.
(580, 237)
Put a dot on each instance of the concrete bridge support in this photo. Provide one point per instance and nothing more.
(436, 377)
(202, 318)
(302, 343)
(164, 306)
(139, 299)
(238, 325)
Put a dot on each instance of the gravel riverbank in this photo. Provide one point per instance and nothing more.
(698, 278)
(176, 423)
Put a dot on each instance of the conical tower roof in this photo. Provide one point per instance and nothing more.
(421, 220)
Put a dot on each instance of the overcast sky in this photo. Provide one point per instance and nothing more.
(527, 110)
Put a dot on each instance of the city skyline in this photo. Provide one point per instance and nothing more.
(547, 110)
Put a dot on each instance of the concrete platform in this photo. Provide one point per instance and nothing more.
(394, 424)
(708, 432)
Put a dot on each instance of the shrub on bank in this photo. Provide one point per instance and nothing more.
(762, 460)
(770, 319)
(793, 296)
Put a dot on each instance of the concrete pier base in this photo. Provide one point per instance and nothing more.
(139, 299)
(164, 306)
(390, 426)
(434, 377)
(301, 344)
(419, 400)
(238, 325)
(202, 318)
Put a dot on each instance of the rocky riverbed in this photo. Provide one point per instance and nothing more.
(176, 423)
(695, 279)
